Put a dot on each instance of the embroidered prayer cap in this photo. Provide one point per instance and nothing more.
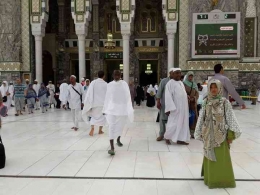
(174, 69)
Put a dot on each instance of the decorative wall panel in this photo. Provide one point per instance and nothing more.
(25, 28)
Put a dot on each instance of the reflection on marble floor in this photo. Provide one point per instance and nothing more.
(44, 145)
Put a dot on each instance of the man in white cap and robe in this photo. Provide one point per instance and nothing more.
(75, 92)
(161, 104)
(93, 104)
(36, 87)
(177, 109)
(51, 89)
(118, 109)
(63, 93)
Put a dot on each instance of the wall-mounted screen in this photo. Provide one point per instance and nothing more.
(216, 37)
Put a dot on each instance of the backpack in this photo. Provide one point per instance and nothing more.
(2, 154)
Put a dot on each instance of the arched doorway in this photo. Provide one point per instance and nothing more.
(47, 70)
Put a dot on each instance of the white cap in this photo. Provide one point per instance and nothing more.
(73, 76)
(174, 69)
(82, 79)
(35, 80)
(27, 80)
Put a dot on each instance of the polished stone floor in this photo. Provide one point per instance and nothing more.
(43, 145)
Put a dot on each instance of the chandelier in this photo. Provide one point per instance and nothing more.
(148, 69)
(110, 44)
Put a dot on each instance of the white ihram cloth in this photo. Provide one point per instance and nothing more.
(94, 102)
(176, 102)
(63, 93)
(5, 90)
(36, 88)
(75, 102)
(118, 107)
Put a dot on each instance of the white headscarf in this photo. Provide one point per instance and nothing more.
(3, 88)
(151, 89)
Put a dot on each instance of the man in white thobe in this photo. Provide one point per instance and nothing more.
(118, 109)
(36, 87)
(94, 102)
(11, 89)
(63, 93)
(176, 107)
(74, 97)
(51, 89)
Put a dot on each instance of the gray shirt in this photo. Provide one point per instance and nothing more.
(228, 88)
(161, 91)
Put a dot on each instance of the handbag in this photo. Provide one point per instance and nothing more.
(3, 110)
(191, 112)
(79, 95)
(2, 154)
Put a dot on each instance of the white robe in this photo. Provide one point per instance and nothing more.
(118, 107)
(51, 89)
(63, 93)
(94, 102)
(4, 90)
(176, 102)
(258, 99)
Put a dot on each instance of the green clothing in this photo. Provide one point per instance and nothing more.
(220, 174)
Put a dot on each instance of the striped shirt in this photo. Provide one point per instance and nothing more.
(19, 90)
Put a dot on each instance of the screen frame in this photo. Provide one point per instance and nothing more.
(219, 20)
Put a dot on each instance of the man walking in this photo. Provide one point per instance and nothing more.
(51, 89)
(36, 87)
(74, 97)
(94, 102)
(228, 88)
(118, 108)
(63, 93)
(19, 96)
(161, 105)
(176, 107)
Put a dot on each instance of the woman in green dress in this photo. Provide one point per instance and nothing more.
(217, 127)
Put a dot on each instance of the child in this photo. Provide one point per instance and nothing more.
(217, 127)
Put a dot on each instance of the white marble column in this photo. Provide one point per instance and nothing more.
(82, 56)
(38, 57)
(171, 50)
(126, 38)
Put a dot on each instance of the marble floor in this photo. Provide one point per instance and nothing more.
(44, 156)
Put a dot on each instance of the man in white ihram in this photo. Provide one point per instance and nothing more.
(63, 93)
(94, 102)
(36, 87)
(176, 107)
(75, 92)
(118, 109)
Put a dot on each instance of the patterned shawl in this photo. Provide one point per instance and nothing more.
(214, 123)
(31, 92)
(42, 90)
(188, 83)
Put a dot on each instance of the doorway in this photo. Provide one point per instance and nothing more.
(148, 70)
(74, 70)
(111, 66)
(48, 73)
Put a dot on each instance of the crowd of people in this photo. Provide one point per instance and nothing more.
(187, 110)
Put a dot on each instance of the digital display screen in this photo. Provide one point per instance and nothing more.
(230, 16)
(203, 17)
(216, 39)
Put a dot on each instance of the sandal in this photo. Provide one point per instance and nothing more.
(16, 114)
(119, 144)
(111, 152)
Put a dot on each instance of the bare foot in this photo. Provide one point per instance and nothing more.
(91, 132)
(100, 132)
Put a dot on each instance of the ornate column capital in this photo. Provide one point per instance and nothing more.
(39, 16)
(81, 13)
